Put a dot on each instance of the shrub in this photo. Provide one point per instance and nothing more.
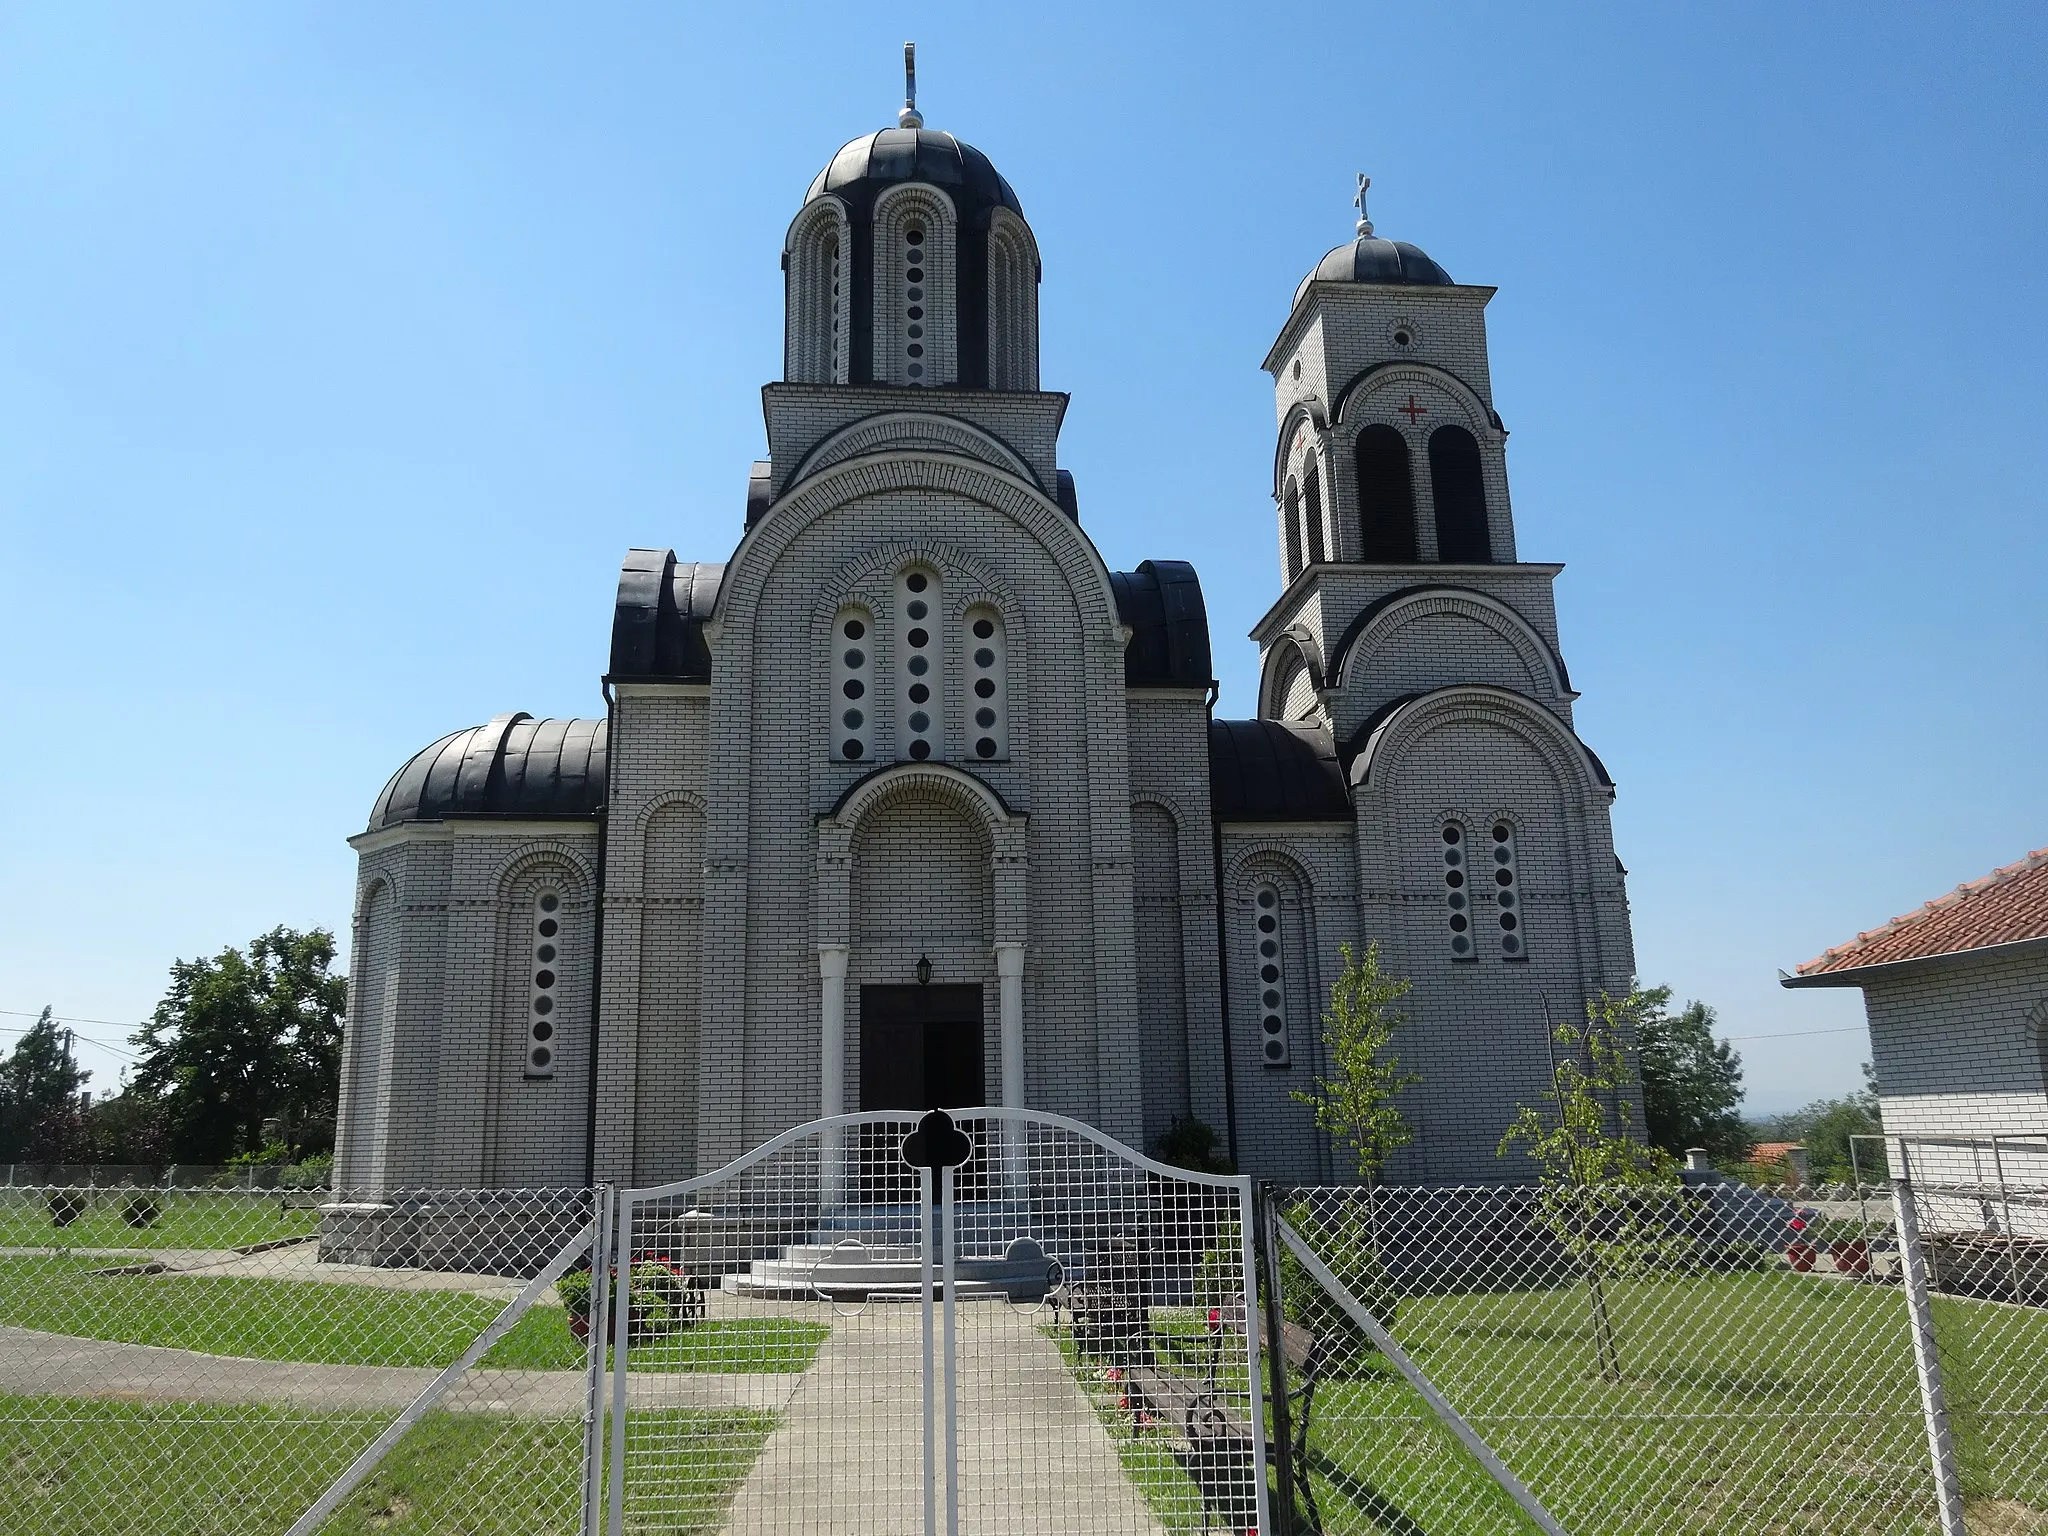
(140, 1211)
(661, 1297)
(66, 1206)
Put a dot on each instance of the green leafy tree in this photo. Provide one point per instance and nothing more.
(241, 1039)
(1190, 1142)
(1599, 1181)
(1825, 1127)
(1355, 1103)
(1692, 1082)
(40, 1117)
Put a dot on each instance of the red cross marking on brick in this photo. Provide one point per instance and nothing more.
(1411, 410)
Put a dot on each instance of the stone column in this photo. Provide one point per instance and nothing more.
(1010, 1013)
(832, 1067)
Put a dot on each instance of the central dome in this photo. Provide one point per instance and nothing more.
(877, 160)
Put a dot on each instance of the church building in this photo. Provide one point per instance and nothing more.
(910, 800)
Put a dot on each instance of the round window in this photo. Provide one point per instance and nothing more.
(918, 666)
(545, 953)
(548, 927)
(917, 610)
(856, 657)
(920, 721)
(853, 719)
(984, 658)
(855, 629)
(984, 688)
(543, 978)
(919, 638)
(549, 902)
(853, 750)
(853, 688)
(542, 1056)
(919, 693)
(917, 581)
(920, 750)
(1451, 834)
(543, 1005)
(985, 747)
(984, 717)
(543, 1030)
(983, 629)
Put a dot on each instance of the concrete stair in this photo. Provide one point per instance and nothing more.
(872, 1253)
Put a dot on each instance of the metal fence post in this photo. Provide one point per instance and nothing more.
(597, 1339)
(1276, 1356)
(1941, 1448)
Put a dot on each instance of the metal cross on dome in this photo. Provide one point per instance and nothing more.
(909, 117)
(1364, 223)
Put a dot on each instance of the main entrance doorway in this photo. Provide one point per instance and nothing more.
(920, 1049)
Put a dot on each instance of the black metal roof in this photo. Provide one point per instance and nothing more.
(1162, 603)
(1370, 259)
(869, 163)
(1272, 770)
(515, 767)
(658, 625)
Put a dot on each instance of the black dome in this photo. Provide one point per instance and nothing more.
(514, 767)
(877, 160)
(1370, 259)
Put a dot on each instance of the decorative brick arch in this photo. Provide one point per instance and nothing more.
(911, 432)
(956, 787)
(1373, 628)
(1386, 746)
(1295, 646)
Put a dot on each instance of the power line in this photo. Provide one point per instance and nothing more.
(105, 1045)
(1793, 1034)
(37, 1013)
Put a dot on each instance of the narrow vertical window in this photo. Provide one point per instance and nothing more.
(1459, 487)
(918, 671)
(1272, 981)
(1290, 530)
(1386, 497)
(544, 973)
(836, 308)
(913, 301)
(1457, 893)
(987, 672)
(1312, 511)
(851, 729)
(1507, 894)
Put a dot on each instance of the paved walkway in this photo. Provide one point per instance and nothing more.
(848, 1457)
(58, 1365)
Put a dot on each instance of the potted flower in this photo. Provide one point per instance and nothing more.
(1851, 1255)
(1800, 1253)
(662, 1299)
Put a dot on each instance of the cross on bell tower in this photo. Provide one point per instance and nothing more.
(1358, 202)
(909, 117)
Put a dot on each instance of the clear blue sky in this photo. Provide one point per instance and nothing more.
(344, 349)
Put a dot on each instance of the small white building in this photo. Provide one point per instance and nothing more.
(1957, 997)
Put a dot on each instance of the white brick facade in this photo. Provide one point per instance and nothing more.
(736, 878)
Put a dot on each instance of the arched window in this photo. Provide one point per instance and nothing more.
(920, 668)
(1507, 895)
(1386, 497)
(814, 348)
(1269, 965)
(1012, 304)
(988, 710)
(544, 965)
(1458, 892)
(851, 707)
(916, 298)
(1312, 510)
(1460, 492)
(1290, 530)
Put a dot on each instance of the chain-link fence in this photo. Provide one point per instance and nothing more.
(209, 1361)
(1713, 1359)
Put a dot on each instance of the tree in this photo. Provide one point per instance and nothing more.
(1355, 1103)
(1825, 1126)
(40, 1119)
(1594, 1167)
(244, 1038)
(1692, 1082)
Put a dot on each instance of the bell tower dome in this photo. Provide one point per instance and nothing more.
(910, 264)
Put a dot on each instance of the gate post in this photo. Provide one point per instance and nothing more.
(598, 1337)
(1941, 1448)
(1269, 1322)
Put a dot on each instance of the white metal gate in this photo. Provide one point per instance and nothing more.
(1007, 1323)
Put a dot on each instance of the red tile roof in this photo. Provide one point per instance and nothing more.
(2005, 907)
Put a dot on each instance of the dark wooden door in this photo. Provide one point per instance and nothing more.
(920, 1049)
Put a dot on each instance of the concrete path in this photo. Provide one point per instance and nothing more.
(848, 1457)
(58, 1365)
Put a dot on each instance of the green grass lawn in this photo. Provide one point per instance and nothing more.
(1759, 1402)
(186, 1219)
(88, 1468)
(354, 1324)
